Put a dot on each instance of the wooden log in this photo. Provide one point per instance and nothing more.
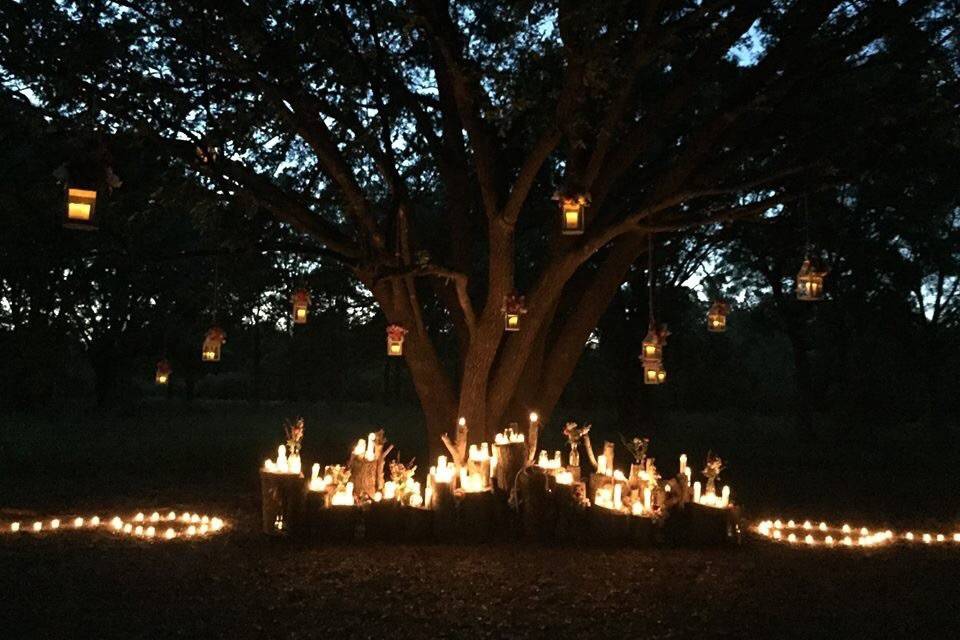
(382, 521)
(642, 530)
(417, 525)
(478, 516)
(607, 527)
(363, 475)
(444, 512)
(282, 497)
(538, 513)
(511, 459)
(571, 507)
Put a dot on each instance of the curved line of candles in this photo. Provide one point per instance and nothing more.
(156, 526)
(822, 534)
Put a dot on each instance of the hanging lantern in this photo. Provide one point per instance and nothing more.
(81, 208)
(514, 306)
(717, 317)
(395, 337)
(163, 372)
(810, 281)
(301, 302)
(573, 211)
(652, 356)
(212, 343)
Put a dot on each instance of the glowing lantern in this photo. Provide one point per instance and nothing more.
(395, 337)
(810, 282)
(717, 317)
(301, 302)
(212, 343)
(163, 372)
(513, 307)
(652, 356)
(81, 207)
(573, 211)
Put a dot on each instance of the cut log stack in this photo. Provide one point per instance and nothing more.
(511, 459)
(282, 496)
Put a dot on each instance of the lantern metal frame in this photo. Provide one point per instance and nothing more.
(212, 344)
(300, 301)
(810, 281)
(396, 334)
(80, 208)
(513, 307)
(717, 317)
(577, 206)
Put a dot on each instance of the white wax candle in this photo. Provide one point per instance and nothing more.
(647, 495)
(602, 465)
(725, 496)
(371, 452)
(617, 496)
(683, 463)
(696, 491)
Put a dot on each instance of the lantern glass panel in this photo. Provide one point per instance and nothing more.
(394, 347)
(511, 322)
(81, 205)
(300, 314)
(573, 213)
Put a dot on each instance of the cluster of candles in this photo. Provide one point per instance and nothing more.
(283, 464)
(154, 527)
(544, 461)
(366, 449)
(822, 534)
(509, 436)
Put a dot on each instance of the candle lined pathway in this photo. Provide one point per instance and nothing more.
(821, 534)
(155, 526)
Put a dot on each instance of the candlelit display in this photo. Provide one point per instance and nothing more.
(652, 354)
(825, 535)
(133, 526)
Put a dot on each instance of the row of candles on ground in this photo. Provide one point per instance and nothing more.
(168, 527)
(844, 536)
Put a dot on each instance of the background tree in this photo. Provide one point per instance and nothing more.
(421, 144)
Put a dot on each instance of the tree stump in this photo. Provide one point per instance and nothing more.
(417, 524)
(511, 459)
(607, 527)
(571, 512)
(444, 512)
(282, 497)
(642, 531)
(538, 513)
(478, 516)
(364, 474)
(382, 521)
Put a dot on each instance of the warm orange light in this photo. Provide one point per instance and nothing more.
(572, 214)
(512, 322)
(80, 203)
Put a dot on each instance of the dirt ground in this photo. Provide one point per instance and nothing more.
(242, 585)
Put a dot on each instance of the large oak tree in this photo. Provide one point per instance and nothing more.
(420, 144)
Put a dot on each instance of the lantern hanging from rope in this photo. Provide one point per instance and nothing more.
(573, 212)
(811, 274)
(514, 306)
(395, 337)
(656, 338)
(810, 281)
(301, 303)
(164, 370)
(212, 343)
(717, 317)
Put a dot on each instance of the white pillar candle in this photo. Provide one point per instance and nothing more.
(725, 496)
(315, 472)
(617, 496)
(686, 472)
(696, 491)
(371, 451)
(602, 465)
(647, 495)
(683, 463)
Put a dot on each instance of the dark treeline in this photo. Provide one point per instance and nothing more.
(86, 316)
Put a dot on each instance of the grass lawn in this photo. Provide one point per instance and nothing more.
(243, 585)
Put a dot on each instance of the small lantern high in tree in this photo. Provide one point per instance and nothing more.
(81, 208)
(653, 343)
(301, 303)
(573, 213)
(212, 344)
(163, 372)
(810, 281)
(395, 337)
(717, 317)
(513, 307)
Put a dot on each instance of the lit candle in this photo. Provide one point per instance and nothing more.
(78, 522)
(138, 517)
(602, 465)
(95, 521)
(686, 472)
(171, 516)
(617, 496)
(127, 528)
(54, 524)
(170, 534)
(389, 490)
(151, 532)
(725, 496)
(371, 451)
(683, 464)
(138, 531)
(37, 526)
(696, 492)
(637, 508)
(154, 517)
(647, 494)
(564, 477)
(14, 527)
(282, 466)
(360, 449)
